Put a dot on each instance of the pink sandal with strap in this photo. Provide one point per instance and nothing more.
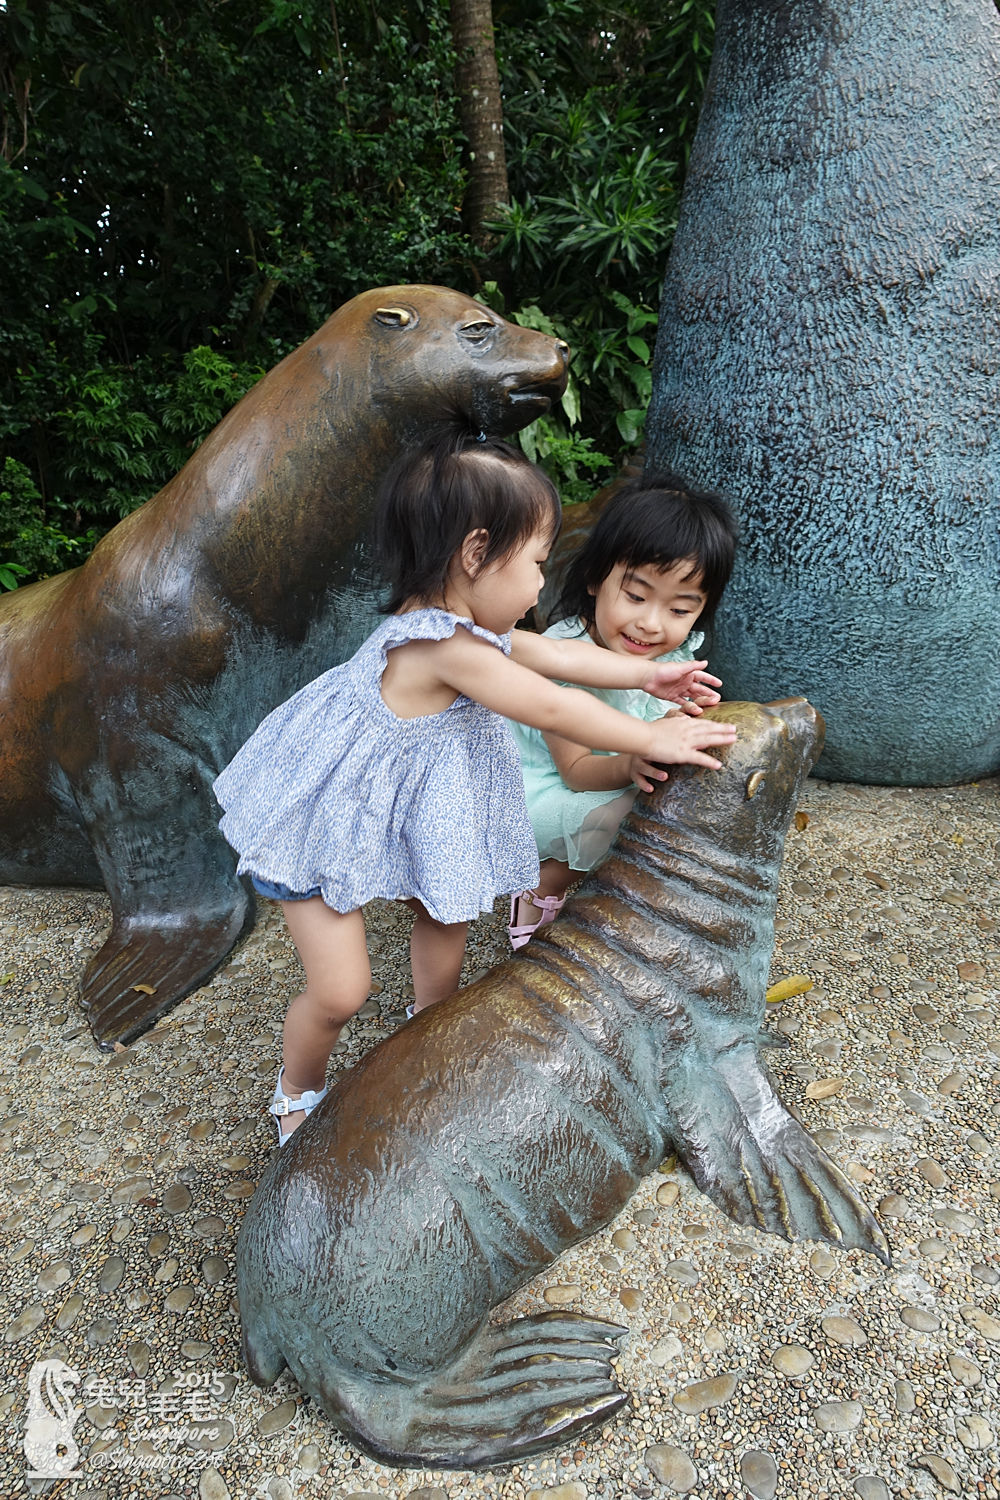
(551, 906)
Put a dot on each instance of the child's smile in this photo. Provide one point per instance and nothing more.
(647, 611)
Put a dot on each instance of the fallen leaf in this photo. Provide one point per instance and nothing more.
(801, 821)
(784, 989)
(6, 978)
(120, 1047)
(145, 989)
(824, 1088)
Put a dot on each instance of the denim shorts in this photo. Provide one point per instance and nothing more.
(274, 891)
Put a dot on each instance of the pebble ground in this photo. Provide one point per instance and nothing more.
(755, 1368)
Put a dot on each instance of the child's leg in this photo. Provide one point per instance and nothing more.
(593, 839)
(436, 953)
(555, 880)
(338, 978)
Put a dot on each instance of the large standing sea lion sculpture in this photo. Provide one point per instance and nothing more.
(828, 357)
(473, 1146)
(127, 684)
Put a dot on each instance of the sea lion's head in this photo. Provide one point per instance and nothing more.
(746, 807)
(432, 355)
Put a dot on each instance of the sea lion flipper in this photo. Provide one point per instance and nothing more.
(513, 1391)
(143, 970)
(756, 1162)
(177, 906)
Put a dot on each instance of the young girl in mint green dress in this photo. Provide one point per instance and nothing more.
(652, 570)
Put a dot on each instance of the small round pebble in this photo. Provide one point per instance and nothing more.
(759, 1473)
(212, 1486)
(705, 1394)
(965, 1371)
(277, 1418)
(983, 1322)
(974, 1432)
(792, 1359)
(112, 1273)
(69, 1312)
(27, 1320)
(666, 1350)
(560, 1295)
(942, 1471)
(838, 1416)
(869, 1487)
(920, 1319)
(846, 1331)
(672, 1467)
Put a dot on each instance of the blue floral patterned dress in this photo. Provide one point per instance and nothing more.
(334, 791)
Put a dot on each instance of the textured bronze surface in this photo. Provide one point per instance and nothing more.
(127, 684)
(473, 1146)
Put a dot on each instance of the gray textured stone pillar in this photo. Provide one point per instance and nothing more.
(829, 357)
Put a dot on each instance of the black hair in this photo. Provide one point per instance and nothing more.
(435, 494)
(655, 520)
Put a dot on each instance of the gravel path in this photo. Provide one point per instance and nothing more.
(755, 1368)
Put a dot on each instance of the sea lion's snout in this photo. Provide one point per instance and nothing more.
(801, 718)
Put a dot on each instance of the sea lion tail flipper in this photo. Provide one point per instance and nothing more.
(514, 1391)
(756, 1162)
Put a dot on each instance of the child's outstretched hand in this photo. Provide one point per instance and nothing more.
(644, 773)
(685, 683)
(682, 741)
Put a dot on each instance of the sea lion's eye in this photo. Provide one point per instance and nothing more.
(754, 782)
(479, 331)
(394, 317)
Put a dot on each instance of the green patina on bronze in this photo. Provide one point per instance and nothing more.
(473, 1146)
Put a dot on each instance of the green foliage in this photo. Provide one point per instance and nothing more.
(205, 388)
(38, 547)
(600, 111)
(186, 193)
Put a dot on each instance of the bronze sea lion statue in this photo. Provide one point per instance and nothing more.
(128, 683)
(477, 1143)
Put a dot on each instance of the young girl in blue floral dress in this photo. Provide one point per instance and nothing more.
(395, 774)
(653, 568)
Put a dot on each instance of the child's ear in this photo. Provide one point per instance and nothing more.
(474, 550)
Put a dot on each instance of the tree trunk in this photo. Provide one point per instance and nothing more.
(477, 82)
(829, 357)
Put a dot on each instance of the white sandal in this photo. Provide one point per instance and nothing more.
(551, 906)
(281, 1105)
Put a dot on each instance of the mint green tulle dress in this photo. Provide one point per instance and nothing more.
(580, 827)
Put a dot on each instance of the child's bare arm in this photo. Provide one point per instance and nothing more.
(583, 771)
(594, 666)
(479, 671)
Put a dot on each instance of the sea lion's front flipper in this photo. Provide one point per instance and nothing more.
(177, 906)
(143, 970)
(747, 1153)
(513, 1391)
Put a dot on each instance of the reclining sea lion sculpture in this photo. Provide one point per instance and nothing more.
(127, 684)
(473, 1146)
